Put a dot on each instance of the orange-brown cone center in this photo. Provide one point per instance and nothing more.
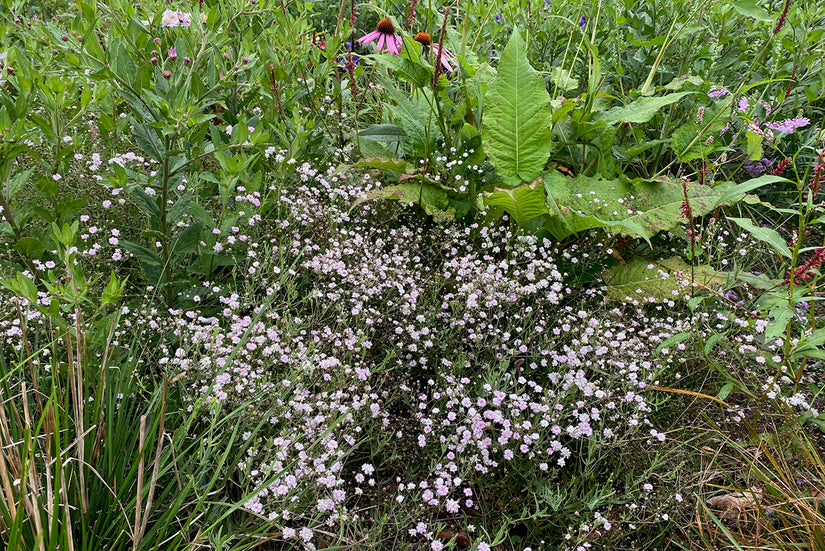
(423, 38)
(385, 26)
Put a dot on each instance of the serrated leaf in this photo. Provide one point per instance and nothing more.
(144, 202)
(643, 109)
(185, 241)
(516, 128)
(766, 235)
(121, 62)
(754, 146)
(523, 203)
(18, 182)
(148, 141)
(689, 141)
(413, 115)
(405, 68)
(179, 208)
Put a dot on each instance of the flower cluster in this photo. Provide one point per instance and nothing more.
(171, 18)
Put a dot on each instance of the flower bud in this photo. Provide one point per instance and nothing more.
(167, 74)
(173, 54)
(153, 61)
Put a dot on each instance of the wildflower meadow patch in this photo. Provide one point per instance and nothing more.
(496, 276)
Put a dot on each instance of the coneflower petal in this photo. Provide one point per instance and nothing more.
(394, 44)
(369, 37)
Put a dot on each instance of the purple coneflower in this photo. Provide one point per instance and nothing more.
(446, 55)
(385, 34)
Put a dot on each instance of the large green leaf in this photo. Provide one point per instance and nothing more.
(522, 203)
(644, 281)
(434, 200)
(643, 109)
(516, 129)
(638, 208)
(749, 8)
(383, 133)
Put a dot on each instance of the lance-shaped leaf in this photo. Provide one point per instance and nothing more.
(516, 130)
(643, 109)
(766, 235)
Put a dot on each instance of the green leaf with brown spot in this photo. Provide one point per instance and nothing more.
(642, 280)
(637, 208)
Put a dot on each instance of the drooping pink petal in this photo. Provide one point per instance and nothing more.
(369, 37)
(381, 41)
(446, 57)
(394, 44)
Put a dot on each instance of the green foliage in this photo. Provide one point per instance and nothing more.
(649, 109)
(642, 109)
(766, 235)
(637, 208)
(516, 132)
(523, 203)
(658, 281)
